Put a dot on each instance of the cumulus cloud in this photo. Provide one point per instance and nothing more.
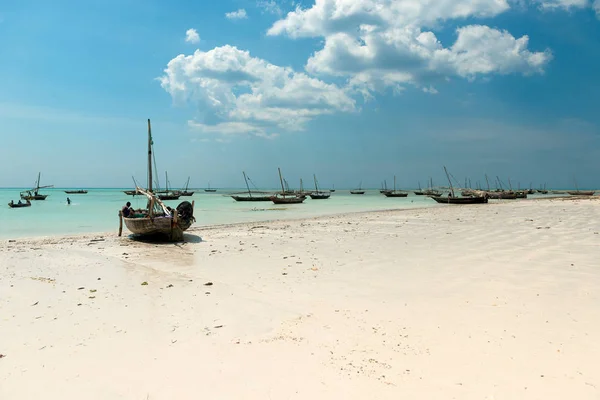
(245, 94)
(191, 36)
(378, 44)
(565, 4)
(239, 14)
(270, 6)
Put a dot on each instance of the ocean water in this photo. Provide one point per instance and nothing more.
(97, 211)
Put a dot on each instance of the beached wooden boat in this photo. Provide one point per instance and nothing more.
(395, 193)
(81, 191)
(34, 194)
(460, 200)
(477, 197)
(521, 194)
(283, 197)
(19, 204)
(186, 192)
(157, 218)
(502, 195)
(318, 195)
(582, 193)
(359, 190)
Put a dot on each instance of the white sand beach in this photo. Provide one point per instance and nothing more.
(496, 301)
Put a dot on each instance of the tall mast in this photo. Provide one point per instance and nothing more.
(246, 180)
(316, 187)
(488, 182)
(394, 183)
(187, 184)
(450, 182)
(281, 181)
(37, 185)
(149, 157)
(166, 182)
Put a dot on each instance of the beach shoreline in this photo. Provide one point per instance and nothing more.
(196, 227)
(473, 302)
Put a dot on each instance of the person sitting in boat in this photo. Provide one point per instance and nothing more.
(127, 211)
(20, 202)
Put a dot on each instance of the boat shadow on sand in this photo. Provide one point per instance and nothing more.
(161, 239)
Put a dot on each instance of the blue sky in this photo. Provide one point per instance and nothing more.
(350, 90)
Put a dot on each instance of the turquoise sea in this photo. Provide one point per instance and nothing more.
(97, 211)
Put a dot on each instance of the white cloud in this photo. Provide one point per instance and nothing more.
(245, 94)
(596, 7)
(565, 4)
(270, 6)
(430, 90)
(191, 36)
(379, 44)
(326, 17)
(239, 14)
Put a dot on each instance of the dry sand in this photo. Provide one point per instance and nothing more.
(496, 301)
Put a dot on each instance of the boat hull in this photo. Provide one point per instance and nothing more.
(169, 196)
(287, 200)
(76, 191)
(582, 193)
(460, 200)
(319, 196)
(357, 192)
(392, 194)
(159, 226)
(502, 195)
(210, 190)
(34, 197)
(251, 198)
(185, 193)
(17, 205)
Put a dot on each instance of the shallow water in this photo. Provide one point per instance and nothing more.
(97, 211)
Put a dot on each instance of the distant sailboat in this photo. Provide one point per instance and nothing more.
(317, 195)
(285, 198)
(209, 190)
(359, 190)
(167, 194)
(395, 193)
(185, 191)
(34, 194)
(251, 197)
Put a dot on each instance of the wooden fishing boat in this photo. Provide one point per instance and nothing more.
(502, 195)
(318, 195)
(578, 192)
(130, 192)
(460, 200)
(477, 197)
(522, 194)
(157, 218)
(19, 204)
(283, 198)
(81, 191)
(262, 196)
(34, 194)
(332, 189)
(395, 193)
(359, 190)
(168, 194)
(582, 193)
(209, 189)
(186, 192)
